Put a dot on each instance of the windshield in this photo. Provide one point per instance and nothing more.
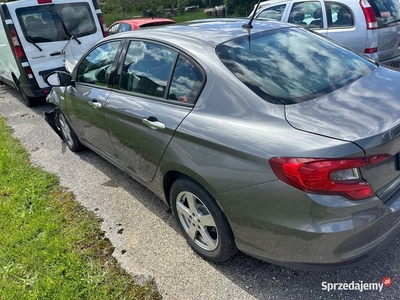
(56, 22)
(291, 65)
(386, 11)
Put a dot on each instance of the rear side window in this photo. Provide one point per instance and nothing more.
(56, 22)
(146, 69)
(186, 81)
(291, 65)
(387, 11)
(339, 15)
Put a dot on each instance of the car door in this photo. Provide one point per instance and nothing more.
(85, 100)
(346, 26)
(157, 90)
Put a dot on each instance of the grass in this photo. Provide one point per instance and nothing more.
(50, 246)
(195, 15)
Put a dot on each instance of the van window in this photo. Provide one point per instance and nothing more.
(56, 22)
(387, 11)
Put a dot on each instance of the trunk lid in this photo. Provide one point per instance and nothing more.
(367, 113)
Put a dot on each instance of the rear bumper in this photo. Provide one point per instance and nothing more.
(32, 90)
(309, 232)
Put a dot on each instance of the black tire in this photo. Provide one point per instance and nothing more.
(193, 208)
(68, 134)
(28, 101)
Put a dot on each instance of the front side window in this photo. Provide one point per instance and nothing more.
(146, 68)
(291, 65)
(272, 13)
(124, 27)
(114, 28)
(96, 67)
(56, 22)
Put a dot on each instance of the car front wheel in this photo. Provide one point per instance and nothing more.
(201, 221)
(69, 135)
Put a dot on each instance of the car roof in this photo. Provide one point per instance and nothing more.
(214, 31)
(137, 22)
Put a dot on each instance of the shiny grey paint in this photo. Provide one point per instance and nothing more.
(225, 141)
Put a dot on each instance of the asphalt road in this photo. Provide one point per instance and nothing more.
(147, 241)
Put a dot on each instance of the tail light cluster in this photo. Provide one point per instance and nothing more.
(327, 176)
(19, 51)
(100, 17)
(369, 14)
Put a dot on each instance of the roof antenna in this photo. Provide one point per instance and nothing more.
(248, 25)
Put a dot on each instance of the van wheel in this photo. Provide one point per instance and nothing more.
(69, 135)
(28, 101)
(201, 221)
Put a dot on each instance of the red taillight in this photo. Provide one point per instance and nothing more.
(19, 52)
(103, 26)
(44, 1)
(369, 14)
(326, 176)
(371, 50)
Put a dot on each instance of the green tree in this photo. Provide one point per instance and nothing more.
(181, 6)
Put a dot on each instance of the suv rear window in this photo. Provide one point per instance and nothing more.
(386, 11)
(291, 65)
(56, 22)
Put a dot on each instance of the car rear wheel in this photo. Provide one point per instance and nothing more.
(201, 221)
(69, 135)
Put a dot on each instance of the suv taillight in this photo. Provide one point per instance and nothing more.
(369, 14)
(326, 176)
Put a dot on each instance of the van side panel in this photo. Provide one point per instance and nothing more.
(8, 64)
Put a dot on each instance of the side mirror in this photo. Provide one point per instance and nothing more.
(58, 78)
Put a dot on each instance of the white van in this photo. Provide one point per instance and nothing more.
(39, 36)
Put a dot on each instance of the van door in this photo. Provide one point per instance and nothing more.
(48, 30)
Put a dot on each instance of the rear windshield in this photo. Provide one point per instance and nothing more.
(291, 65)
(386, 11)
(56, 22)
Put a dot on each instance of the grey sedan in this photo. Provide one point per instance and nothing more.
(265, 138)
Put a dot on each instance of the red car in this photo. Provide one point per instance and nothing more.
(133, 24)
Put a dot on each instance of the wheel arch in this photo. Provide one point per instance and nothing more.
(172, 175)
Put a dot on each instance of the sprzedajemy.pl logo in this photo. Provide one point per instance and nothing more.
(360, 286)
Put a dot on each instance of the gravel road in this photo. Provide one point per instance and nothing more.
(147, 241)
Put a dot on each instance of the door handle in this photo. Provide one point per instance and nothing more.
(153, 124)
(95, 104)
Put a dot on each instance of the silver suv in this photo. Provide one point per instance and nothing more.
(369, 27)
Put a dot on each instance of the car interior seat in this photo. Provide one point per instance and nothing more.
(297, 17)
(344, 18)
(317, 15)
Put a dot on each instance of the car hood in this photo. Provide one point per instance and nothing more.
(366, 112)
